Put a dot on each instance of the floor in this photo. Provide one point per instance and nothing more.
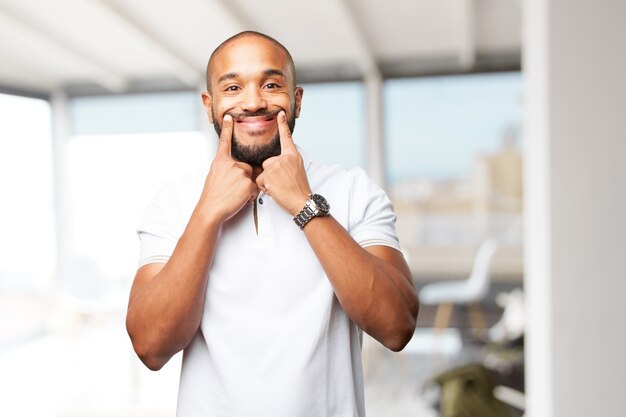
(398, 384)
(84, 367)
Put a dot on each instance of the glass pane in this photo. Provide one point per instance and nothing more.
(136, 113)
(455, 169)
(27, 248)
(435, 126)
(331, 127)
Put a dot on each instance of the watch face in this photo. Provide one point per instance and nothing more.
(321, 203)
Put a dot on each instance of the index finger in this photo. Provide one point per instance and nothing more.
(286, 140)
(223, 146)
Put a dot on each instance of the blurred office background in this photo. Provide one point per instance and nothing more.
(496, 127)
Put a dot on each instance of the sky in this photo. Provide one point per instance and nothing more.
(435, 125)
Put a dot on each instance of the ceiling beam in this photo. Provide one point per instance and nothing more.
(22, 68)
(467, 33)
(372, 77)
(16, 91)
(183, 68)
(366, 61)
(241, 18)
(99, 71)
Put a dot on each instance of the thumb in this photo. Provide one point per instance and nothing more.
(286, 140)
(225, 140)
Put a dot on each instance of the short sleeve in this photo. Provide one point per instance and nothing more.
(157, 229)
(371, 215)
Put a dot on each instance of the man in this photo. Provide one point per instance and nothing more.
(269, 314)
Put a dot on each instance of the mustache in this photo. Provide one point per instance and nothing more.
(260, 113)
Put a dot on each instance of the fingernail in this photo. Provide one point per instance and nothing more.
(282, 114)
(228, 118)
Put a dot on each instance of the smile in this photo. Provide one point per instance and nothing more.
(257, 122)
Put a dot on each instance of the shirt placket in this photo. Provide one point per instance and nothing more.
(265, 207)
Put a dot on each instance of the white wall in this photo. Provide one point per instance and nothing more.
(575, 69)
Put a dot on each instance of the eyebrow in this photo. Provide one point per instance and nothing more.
(268, 73)
(273, 71)
(229, 76)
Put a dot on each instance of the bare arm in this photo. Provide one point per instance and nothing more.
(373, 285)
(166, 300)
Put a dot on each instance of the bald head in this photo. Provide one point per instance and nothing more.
(240, 36)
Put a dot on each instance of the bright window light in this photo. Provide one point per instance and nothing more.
(27, 245)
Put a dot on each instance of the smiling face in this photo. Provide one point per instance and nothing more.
(252, 79)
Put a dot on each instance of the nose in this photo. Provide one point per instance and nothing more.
(253, 100)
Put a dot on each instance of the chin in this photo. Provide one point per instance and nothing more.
(257, 152)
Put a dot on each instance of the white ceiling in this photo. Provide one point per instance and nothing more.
(127, 45)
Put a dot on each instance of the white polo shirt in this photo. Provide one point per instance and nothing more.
(273, 340)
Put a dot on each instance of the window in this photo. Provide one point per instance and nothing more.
(454, 166)
(331, 127)
(27, 245)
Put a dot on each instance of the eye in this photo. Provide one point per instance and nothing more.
(272, 85)
(231, 88)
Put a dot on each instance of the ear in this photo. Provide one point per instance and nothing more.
(299, 92)
(207, 101)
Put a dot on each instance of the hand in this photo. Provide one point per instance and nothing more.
(228, 186)
(284, 177)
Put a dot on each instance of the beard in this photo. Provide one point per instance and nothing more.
(255, 155)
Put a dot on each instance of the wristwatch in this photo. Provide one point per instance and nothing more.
(315, 205)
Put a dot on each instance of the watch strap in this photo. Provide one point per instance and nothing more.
(308, 212)
(305, 216)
